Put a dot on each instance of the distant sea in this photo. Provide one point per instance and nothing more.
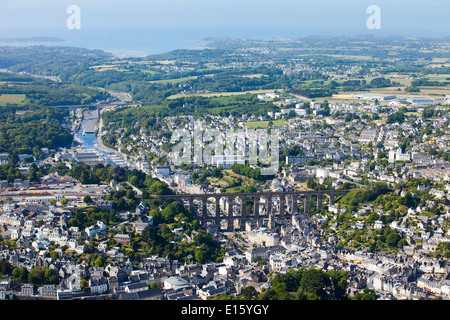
(123, 42)
(139, 42)
(128, 41)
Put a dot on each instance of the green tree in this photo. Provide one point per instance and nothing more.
(100, 261)
(249, 293)
(172, 210)
(84, 285)
(20, 273)
(5, 268)
(339, 284)
(36, 276)
(367, 294)
(313, 284)
(392, 239)
(50, 276)
(54, 255)
(87, 199)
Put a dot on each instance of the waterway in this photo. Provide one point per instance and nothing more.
(89, 140)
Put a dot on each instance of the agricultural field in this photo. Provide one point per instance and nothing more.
(265, 124)
(220, 94)
(175, 80)
(11, 98)
(109, 67)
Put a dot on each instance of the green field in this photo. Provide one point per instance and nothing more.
(11, 98)
(265, 124)
(220, 94)
(173, 81)
(108, 67)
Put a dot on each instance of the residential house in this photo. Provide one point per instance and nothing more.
(122, 238)
(98, 285)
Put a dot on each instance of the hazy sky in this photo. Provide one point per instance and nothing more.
(398, 17)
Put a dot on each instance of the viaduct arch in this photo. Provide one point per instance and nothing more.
(234, 205)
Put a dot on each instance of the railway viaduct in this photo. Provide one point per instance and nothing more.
(263, 205)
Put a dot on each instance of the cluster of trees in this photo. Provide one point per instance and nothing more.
(315, 185)
(10, 172)
(231, 83)
(357, 197)
(316, 89)
(431, 112)
(29, 138)
(44, 92)
(223, 105)
(32, 129)
(306, 284)
(425, 82)
(100, 173)
(358, 85)
(36, 276)
(123, 199)
(293, 151)
(200, 179)
(23, 114)
(250, 172)
(84, 217)
(163, 242)
(202, 249)
(398, 117)
(45, 60)
(379, 240)
(173, 212)
(443, 249)
(314, 92)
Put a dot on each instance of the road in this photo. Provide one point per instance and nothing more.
(138, 192)
(101, 145)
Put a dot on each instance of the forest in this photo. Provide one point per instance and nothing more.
(44, 92)
(28, 132)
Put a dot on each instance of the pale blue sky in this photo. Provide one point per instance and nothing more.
(398, 17)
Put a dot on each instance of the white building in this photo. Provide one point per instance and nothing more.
(374, 96)
(227, 161)
(96, 228)
(175, 282)
(378, 224)
(421, 100)
(268, 95)
(397, 155)
(322, 173)
(263, 238)
(164, 170)
(98, 286)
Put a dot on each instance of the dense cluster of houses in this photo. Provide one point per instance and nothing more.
(410, 274)
(343, 146)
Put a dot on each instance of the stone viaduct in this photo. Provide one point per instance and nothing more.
(287, 205)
